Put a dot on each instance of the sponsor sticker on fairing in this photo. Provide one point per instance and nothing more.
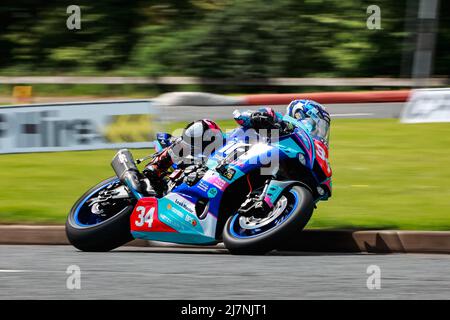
(215, 180)
(203, 186)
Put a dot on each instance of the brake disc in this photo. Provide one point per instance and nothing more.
(254, 223)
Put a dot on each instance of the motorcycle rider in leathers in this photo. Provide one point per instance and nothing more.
(199, 134)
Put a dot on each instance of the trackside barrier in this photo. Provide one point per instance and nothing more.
(110, 124)
(77, 126)
(427, 105)
(208, 99)
(329, 97)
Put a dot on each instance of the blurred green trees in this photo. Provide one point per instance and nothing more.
(210, 38)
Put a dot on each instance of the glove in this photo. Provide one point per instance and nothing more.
(263, 120)
(243, 118)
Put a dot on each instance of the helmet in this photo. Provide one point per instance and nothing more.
(302, 109)
(202, 133)
(312, 115)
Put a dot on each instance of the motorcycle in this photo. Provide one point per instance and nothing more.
(224, 198)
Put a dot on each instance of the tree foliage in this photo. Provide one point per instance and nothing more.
(206, 38)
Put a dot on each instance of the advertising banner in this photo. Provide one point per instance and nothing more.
(77, 126)
(427, 105)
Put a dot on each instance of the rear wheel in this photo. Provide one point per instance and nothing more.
(98, 224)
(252, 235)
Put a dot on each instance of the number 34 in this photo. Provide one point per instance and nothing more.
(144, 217)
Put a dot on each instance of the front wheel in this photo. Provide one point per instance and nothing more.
(100, 219)
(251, 235)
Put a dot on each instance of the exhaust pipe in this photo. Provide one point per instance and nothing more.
(126, 170)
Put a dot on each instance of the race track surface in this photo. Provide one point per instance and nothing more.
(39, 272)
(344, 110)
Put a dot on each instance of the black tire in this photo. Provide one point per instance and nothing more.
(270, 239)
(109, 234)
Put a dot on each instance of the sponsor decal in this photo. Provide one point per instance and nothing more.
(229, 174)
(220, 183)
(178, 212)
(184, 205)
(175, 217)
(212, 192)
(167, 220)
(214, 179)
(322, 157)
(191, 220)
(203, 186)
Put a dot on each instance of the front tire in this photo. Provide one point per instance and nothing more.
(239, 239)
(86, 235)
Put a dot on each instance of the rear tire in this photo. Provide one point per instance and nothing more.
(270, 239)
(105, 236)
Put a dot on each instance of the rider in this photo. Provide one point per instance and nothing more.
(196, 137)
(198, 134)
(313, 116)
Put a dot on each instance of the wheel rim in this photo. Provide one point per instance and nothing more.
(87, 214)
(253, 223)
(249, 227)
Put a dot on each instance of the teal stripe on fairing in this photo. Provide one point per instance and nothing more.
(175, 221)
(289, 147)
(174, 237)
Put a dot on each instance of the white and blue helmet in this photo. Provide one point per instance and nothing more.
(303, 109)
(313, 115)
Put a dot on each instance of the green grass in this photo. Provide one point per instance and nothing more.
(386, 175)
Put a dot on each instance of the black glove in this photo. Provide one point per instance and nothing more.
(262, 120)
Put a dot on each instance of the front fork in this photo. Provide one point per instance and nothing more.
(263, 203)
(255, 204)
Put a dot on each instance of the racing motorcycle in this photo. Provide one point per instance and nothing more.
(224, 198)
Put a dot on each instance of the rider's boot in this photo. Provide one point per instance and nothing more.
(156, 171)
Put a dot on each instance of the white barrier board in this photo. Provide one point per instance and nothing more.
(76, 126)
(427, 105)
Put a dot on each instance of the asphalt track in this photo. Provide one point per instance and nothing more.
(39, 272)
(347, 110)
